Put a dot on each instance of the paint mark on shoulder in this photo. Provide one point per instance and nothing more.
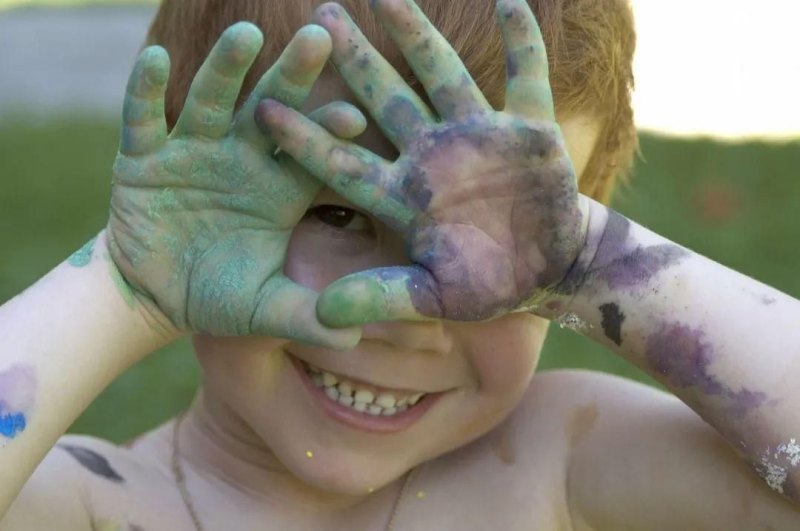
(581, 422)
(94, 462)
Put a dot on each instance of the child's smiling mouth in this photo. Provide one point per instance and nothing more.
(362, 405)
(359, 396)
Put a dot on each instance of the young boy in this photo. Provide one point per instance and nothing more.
(458, 230)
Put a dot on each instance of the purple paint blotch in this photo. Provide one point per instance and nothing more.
(682, 357)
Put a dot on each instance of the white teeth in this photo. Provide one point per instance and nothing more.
(346, 400)
(413, 399)
(345, 389)
(329, 380)
(332, 393)
(361, 400)
(364, 396)
(386, 400)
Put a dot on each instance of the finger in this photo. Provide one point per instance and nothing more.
(527, 82)
(435, 63)
(288, 310)
(385, 294)
(399, 111)
(289, 81)
(144, 126)
(340, 119)
(354, 172)
(212, 96)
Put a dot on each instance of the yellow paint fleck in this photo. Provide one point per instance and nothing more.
(420, 494)
(309, 454)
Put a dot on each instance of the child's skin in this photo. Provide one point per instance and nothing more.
(562, 450)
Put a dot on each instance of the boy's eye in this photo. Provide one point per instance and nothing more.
(340, 217)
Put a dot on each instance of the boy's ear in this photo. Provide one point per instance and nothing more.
(581, 134)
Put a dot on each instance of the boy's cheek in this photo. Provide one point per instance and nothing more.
(504, 352)
(315, 260)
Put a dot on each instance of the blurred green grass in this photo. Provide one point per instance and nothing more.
(735, 203)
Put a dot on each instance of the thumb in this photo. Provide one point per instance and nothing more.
(288, 310)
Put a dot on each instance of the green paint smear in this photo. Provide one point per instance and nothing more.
(82, 256)
(164, 201)
(122, 285)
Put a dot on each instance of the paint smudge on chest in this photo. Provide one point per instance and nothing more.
(17, 390)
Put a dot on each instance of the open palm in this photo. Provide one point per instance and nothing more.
(486, 200)
(201, 218)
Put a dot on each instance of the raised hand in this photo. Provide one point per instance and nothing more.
(201, 218)
(486, 200)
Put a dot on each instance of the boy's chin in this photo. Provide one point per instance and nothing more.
(346, 475)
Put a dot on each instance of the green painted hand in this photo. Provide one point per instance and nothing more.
(486, 200)
(201, 217)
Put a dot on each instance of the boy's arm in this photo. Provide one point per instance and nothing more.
(722, 342)
(64, 340)
(199, 223)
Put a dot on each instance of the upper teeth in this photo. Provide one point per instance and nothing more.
(362, 400)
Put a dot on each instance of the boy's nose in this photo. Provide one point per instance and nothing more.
(429, 336)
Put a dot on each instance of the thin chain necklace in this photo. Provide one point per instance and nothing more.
(180, 480)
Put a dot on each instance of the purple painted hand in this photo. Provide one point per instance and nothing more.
(486, 200)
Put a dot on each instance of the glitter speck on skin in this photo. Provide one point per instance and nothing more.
(775, 474)
(572, 322)
(309, 454)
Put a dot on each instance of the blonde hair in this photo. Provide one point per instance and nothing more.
(590, 45)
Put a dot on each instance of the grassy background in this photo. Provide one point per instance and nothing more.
(734, 203)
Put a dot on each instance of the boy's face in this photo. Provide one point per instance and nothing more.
(472, 374)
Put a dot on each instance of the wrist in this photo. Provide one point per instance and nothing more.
(558, 300)
(145, 309)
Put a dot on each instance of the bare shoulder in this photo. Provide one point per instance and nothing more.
(87, 483)
(58, 494)
(639, 458)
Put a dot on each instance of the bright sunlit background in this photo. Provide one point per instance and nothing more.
(708, 72)
(725, 68)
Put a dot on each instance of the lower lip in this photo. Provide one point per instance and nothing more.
(361, 421)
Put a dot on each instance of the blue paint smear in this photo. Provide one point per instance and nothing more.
(11, 424)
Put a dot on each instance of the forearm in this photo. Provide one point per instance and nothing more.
(722, 342)
(64, 340)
